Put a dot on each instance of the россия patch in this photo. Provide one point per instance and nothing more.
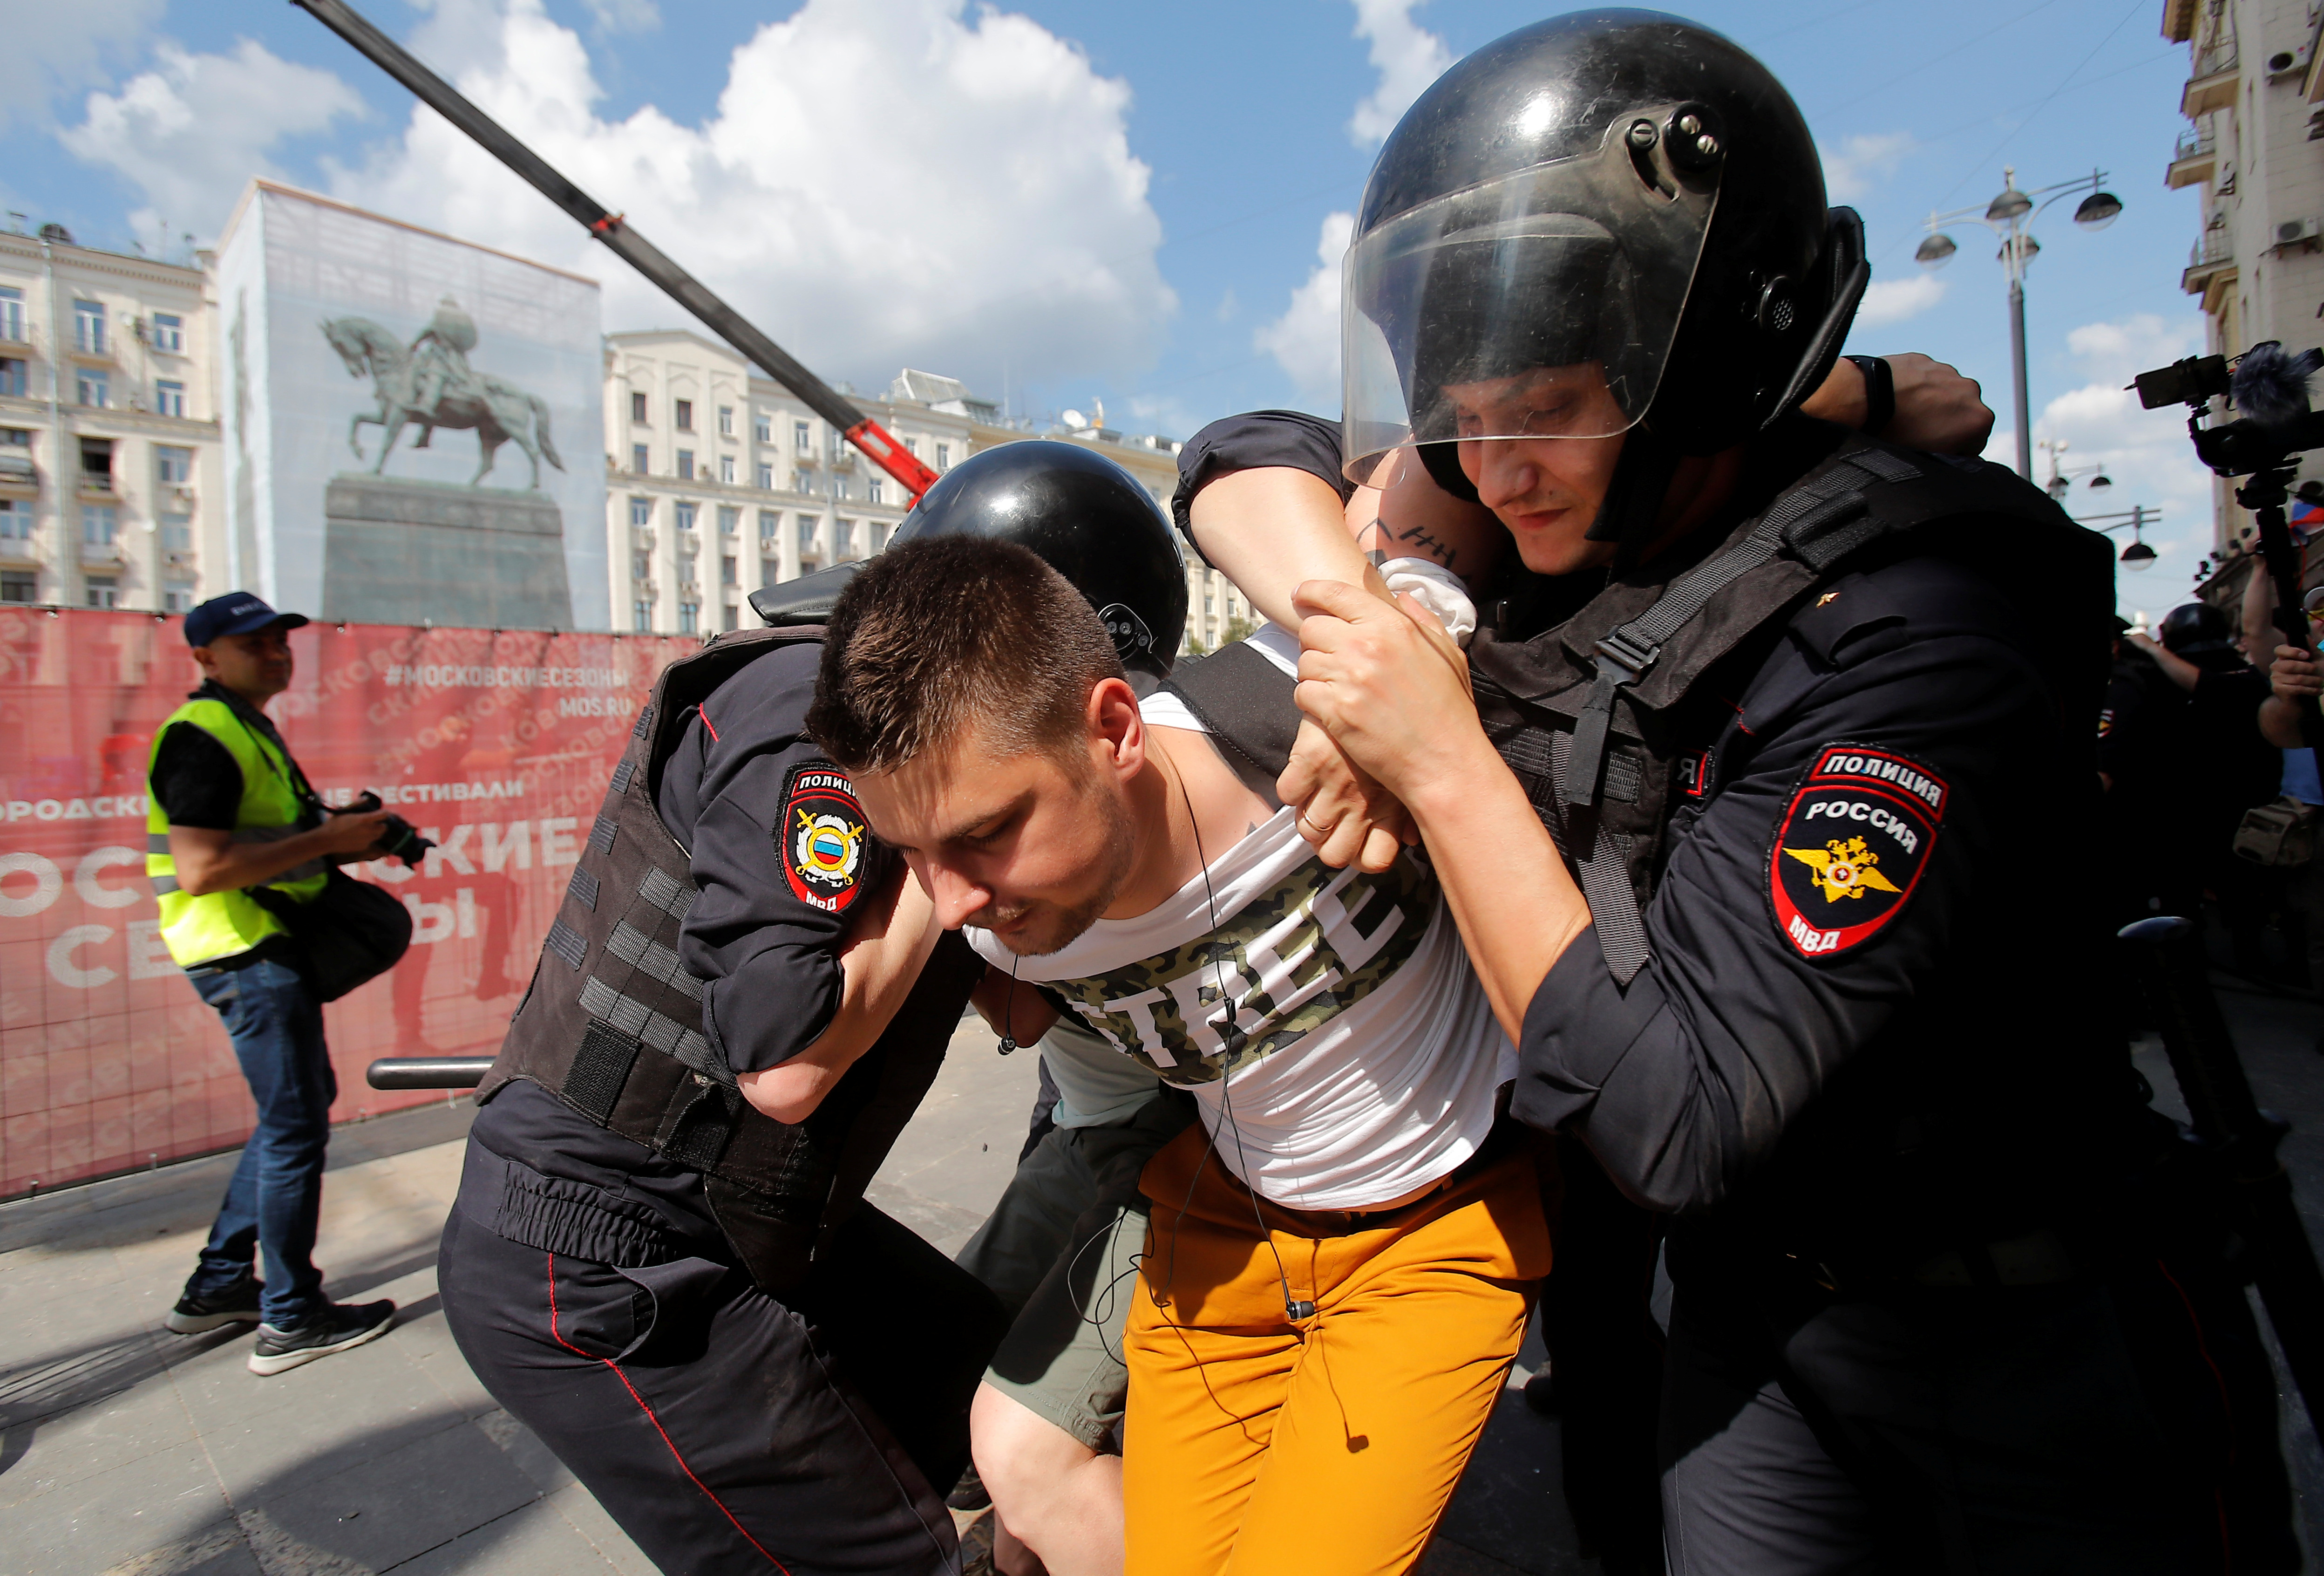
(1852, 846)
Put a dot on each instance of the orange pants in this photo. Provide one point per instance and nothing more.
(1329, 1448)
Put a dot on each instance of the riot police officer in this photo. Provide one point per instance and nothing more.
(660, 1259)
(1763, 834)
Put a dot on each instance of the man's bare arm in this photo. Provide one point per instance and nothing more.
(880, 960)
(209, 860)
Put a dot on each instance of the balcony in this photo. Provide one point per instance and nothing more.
(841, 457)
(99, 484)
(2210, 270)
(183, 558)
(2195, 160)
(18, 473)
(2213, 84)
(100, 554)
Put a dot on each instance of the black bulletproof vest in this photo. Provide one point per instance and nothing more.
(611, 1025)
(1602, 716)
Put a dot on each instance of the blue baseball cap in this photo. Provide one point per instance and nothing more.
(235, 613)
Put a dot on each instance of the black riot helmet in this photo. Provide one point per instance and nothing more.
(1082, 515)
(1619, 213)
(2195, 627)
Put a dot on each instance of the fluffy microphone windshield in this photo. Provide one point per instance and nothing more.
(2269, 386)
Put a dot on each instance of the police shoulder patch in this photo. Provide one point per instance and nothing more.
(1852, 846)
(823, 837)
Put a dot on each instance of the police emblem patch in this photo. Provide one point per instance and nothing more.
(823, 837)
(1852, 846)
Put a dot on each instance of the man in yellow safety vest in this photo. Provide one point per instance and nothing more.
(228, 812)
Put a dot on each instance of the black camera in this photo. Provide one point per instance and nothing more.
(397, 838)
(2269, 387)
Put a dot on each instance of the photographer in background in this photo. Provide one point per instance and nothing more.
(228, 812)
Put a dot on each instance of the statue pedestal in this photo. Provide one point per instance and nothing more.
(397, 552)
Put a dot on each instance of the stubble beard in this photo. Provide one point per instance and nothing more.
(1054, 927)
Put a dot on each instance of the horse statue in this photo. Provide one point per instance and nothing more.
(498, 411)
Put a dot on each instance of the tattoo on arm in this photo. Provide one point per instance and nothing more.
(1426, 545)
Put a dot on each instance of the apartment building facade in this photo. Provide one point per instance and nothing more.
(719, 481)
(110, 461)
(2254, 149)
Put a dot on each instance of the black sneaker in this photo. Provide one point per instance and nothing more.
(236, 1304)
(334, 1328)
(970, 1493)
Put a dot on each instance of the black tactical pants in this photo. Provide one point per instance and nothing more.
(726, 1431)
(2114, 1429)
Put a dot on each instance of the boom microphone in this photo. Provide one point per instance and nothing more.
(2269, 386)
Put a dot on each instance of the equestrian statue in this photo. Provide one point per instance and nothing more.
(430, 384)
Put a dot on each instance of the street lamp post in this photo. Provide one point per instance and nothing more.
(2009, 215)
(2138, 555)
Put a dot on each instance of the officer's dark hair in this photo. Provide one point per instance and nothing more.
(947, 633)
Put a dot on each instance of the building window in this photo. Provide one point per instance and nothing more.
(764, 426)
(169, 333)
(178, 596)
(726, 576)
(641, 566)
(21, 437)
(689, 617)
(806, 535)
(944, 457)
(19, 587)
(875, 490)
(638, 462)
(769, 521)
(12, 314)
(169, 398)
(1209, 604)
(726, 420)
(726, 469)
(99, 525)
(641, 513)
(801, 482)
(11, 376)
(686, 512)
(642, 616)
(912, 447)
(686, 465)
(802, 438)
(726, 618)
(843, 537)
(770, 570)
(173, 467)
(103, 591)
(766, 478)
(730, 520)
(89, 327)
(97, 463)
(685, 420)
(878, 537)
(177, 534)
(15, 520)
(637, 408)
(839, 486)
(94, 389)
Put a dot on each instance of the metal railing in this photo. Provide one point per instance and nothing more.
(2194, 145)
(2216, 247)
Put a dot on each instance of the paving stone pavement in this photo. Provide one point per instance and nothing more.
(128, 1452)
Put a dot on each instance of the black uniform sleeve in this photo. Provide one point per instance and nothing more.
(1254, 441)
(195, 779)
(1682, 1084)
(741, 788)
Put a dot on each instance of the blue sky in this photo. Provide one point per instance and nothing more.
(1080, 202)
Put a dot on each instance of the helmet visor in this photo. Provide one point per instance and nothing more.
(1540, 305)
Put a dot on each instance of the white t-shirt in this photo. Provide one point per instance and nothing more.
(1365, 1059)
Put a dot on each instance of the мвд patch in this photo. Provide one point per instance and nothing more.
(1852, 846)
(823, 837)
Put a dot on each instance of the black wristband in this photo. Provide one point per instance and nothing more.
(1879, 393)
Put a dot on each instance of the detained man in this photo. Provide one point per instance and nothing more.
(1342, 1253)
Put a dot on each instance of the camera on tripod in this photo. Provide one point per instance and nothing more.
(2267, 386)
(397, 838)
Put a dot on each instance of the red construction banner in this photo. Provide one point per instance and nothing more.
(495, 744)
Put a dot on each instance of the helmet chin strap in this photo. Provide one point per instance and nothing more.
(1634, 496)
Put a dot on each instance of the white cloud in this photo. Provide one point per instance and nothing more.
(625, 15)
(1852, 169)
(2144, 454)
(59, 46)
(882, 182)
(1893, 300)
(1408, 57)
(192, 130)
(1305, 339)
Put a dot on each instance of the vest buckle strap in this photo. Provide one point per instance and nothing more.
(1620, 662)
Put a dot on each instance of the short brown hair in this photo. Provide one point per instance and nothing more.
(936, 636)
